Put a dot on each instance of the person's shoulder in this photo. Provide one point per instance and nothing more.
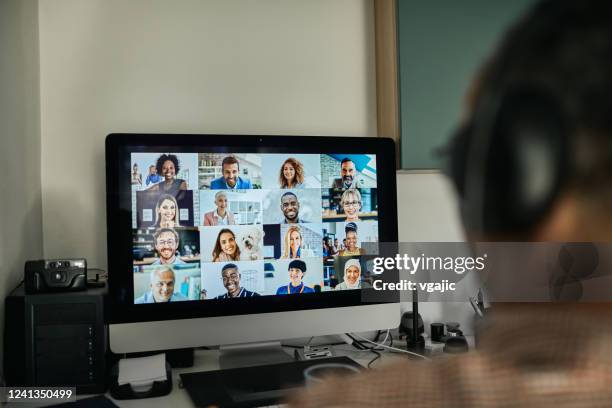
(340, 286)
(245, 183)
(217, 183)
(308, 289)
(178, 297)
(143, 299)
(248, 293)
(281, 290)
(337, 183)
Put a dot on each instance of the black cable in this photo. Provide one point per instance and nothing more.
(378, 355)
(377, 336)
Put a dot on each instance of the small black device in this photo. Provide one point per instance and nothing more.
(437, 332)
(55, 339)
(254, 386)
(55, 275)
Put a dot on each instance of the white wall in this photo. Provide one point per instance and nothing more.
(20, 206)
(427, 212)
(200, 66)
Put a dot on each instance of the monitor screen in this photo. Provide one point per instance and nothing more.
(203, 225)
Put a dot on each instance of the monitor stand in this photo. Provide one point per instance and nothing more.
(252, 354)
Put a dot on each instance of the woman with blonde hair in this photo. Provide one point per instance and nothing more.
(293, 242)
(351, 204)
(166, 212)
(291, 174)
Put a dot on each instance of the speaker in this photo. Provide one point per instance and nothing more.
(56, 339)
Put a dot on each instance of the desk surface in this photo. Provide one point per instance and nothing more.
(208, 360)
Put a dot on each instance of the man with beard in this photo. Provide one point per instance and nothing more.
(231, 280)
(166, 243)
(230, 178)
(162, 288)
(348, 174)
(290, 206)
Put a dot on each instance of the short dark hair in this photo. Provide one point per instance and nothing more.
(230, 160)
(297, 264)
(229, 266)
(346, 159)
(164, 158)
(288, 193)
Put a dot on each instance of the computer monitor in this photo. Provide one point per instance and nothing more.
(227, 239)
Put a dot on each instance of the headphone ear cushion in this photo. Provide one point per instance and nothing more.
(521, 163)
(527, 161)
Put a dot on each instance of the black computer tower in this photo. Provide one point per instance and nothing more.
(56, 339)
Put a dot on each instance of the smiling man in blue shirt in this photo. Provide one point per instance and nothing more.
(230, 179)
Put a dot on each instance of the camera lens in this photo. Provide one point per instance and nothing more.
(53, 265)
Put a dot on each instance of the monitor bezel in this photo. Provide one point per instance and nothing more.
(119, 146)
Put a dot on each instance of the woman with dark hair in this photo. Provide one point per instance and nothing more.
(166, 212)
(226, 247)
(168, 166)
(291, 174)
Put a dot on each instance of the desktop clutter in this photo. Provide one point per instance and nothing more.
(55, 335)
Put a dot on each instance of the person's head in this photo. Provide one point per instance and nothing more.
(547, 88)
(290, 206)
(166, 244)
(293, 240)
(291, 172)
(168, 166)
(352, 272)
(226, 244)
(231, 278)
(347, 171)
(230, 169)
(350, 231)
(162, 284)
(135, 167)
(326, 243)
(152, 169)
(351, 203)
(221, 200)
(297, 269)
(166, 210)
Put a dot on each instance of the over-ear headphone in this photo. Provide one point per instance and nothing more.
(511, 159)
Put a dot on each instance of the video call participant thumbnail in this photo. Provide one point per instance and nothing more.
(161, 287)
(348, 175)
(297, 269)
(221, 215)
(291, 174)
(166, 212)
(226, 248)
(168, 166)
(231, 280)
(351, 248)
(352, 276)
(290, 206)
(230, 179)
(166, 244)
(351, 204)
